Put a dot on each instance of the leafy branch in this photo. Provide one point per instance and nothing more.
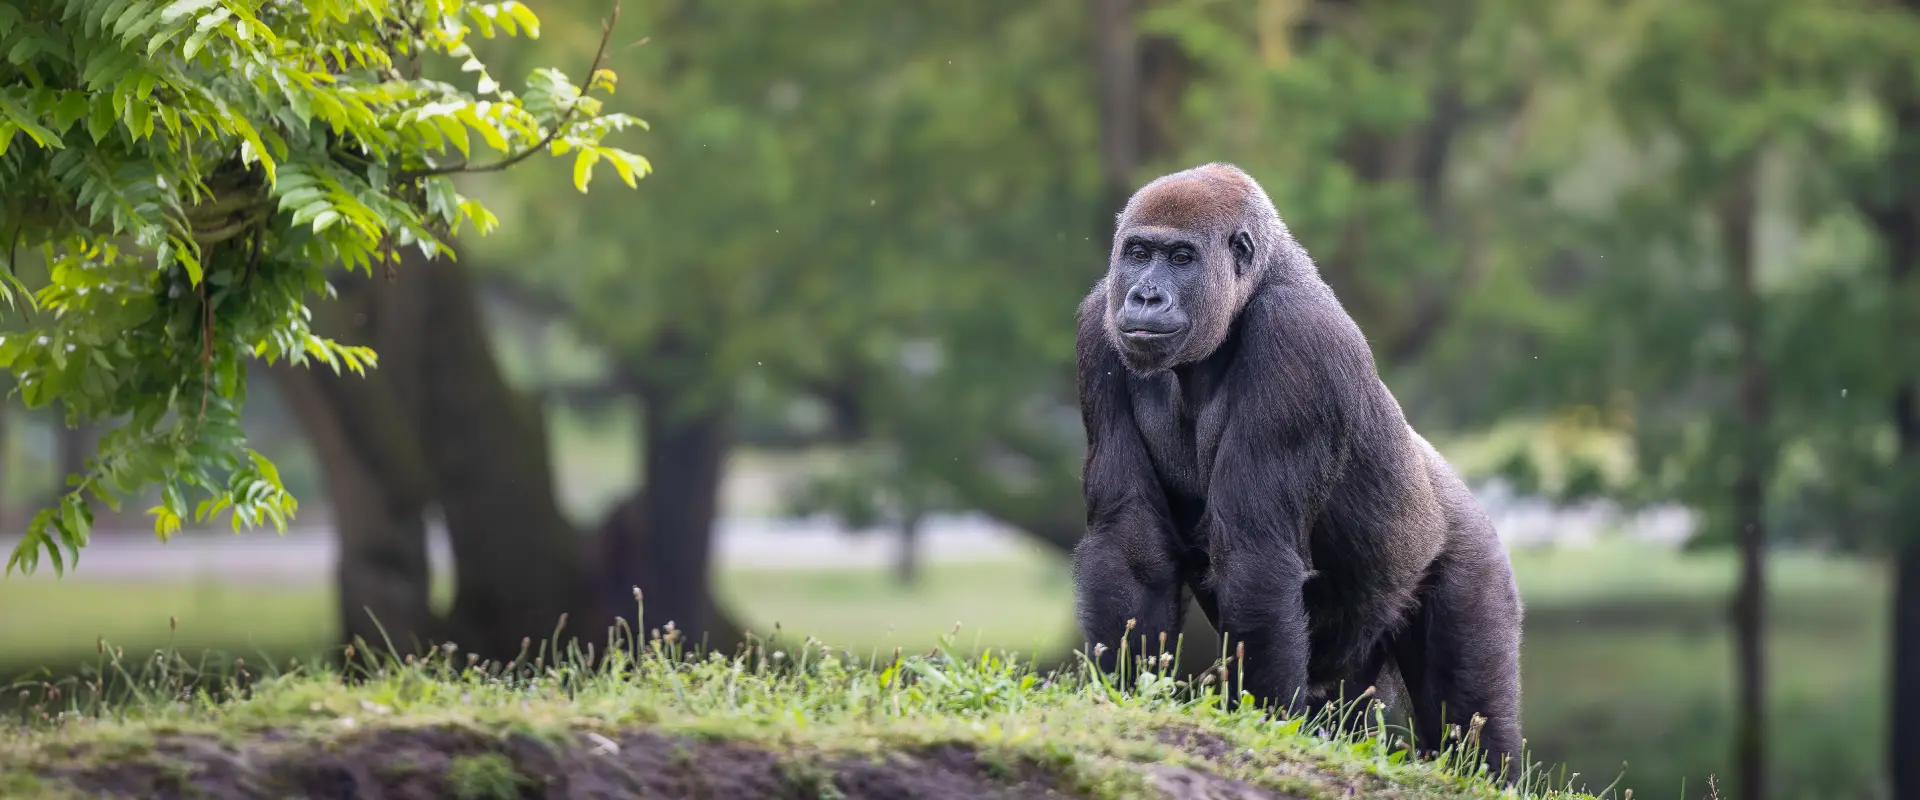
(186, 171)
(593, 72)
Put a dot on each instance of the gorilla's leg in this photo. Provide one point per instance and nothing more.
(1119, 579)
(1347, 703)
(1257, 589)
(1459, 655)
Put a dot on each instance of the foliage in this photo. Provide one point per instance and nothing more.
(876, 210)
(791, 696)
(1405, 146)
(1691, 100)
(187, 170)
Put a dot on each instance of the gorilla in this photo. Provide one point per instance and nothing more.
(1242, 448)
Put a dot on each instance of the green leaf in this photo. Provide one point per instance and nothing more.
(183, 8)
(525, 16)
(165, 522)
(454, 131)
(72, 106)
(100, 117)
(300, 197)
(583, 168)
(27, 124)
(228, 372)
(471, 116)
(77, 521)
(627, 164)
(198, 40)
(602, 79)
(266, 468)
(325, 219)
(139, 120)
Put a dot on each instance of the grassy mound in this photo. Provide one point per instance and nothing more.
(647, 721)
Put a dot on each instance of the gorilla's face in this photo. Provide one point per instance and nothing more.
(1170, 294)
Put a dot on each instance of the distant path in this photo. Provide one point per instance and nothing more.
(307, 552)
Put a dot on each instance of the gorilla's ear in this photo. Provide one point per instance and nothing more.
(1242, 245)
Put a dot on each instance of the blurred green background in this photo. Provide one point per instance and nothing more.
(1644, 269)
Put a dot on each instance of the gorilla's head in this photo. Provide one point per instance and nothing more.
(1187, 252)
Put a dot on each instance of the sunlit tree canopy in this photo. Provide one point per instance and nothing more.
(180, 177)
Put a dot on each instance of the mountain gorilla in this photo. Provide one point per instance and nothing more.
(1242, 447)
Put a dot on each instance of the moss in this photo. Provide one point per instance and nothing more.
(485, 776)
(399, 766)
(807, 777)
(17, 785)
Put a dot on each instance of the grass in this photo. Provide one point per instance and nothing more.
(816, 720)
(1628, 660)
(1019, 604)
(47, 622)
(1626, 653)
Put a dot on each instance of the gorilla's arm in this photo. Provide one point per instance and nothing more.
(1124, 568)
(1285, 445)
(1257, 526)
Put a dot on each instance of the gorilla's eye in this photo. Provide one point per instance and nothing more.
(1181, 257)
(1139, 253)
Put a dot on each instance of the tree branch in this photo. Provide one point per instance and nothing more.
(599, 58)
(238, 202)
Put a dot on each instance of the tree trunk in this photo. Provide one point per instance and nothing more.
(624, 544)
(71, 447)
(1892, 205)
(1904, 738)
(1749, 489)
(375, 479)
(1900, 232)
(906, 562)
(438, 423)
(684, 458)
(1894, 210)
(515, 554)
(435, 422)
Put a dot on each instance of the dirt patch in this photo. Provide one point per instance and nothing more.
(423, 763)
(1181, 783)
(1195, 742)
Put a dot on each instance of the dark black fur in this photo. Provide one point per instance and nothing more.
(1242, 447)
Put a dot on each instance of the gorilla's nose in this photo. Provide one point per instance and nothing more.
(1146, 297)
(1149, 310)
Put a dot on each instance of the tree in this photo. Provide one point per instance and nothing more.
(842, 194)
(1401, 143)
(878, 487)
(437, 429)
(1876, 171)
(1690, 314)
(188, 170)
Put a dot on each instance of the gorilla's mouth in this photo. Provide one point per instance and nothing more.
(1154, 328)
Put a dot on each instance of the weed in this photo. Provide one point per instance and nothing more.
(485, 776)
(804, 774)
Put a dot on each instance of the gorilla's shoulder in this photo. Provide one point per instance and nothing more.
(1303, 315)
(1091, 315)
(1095, 300)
